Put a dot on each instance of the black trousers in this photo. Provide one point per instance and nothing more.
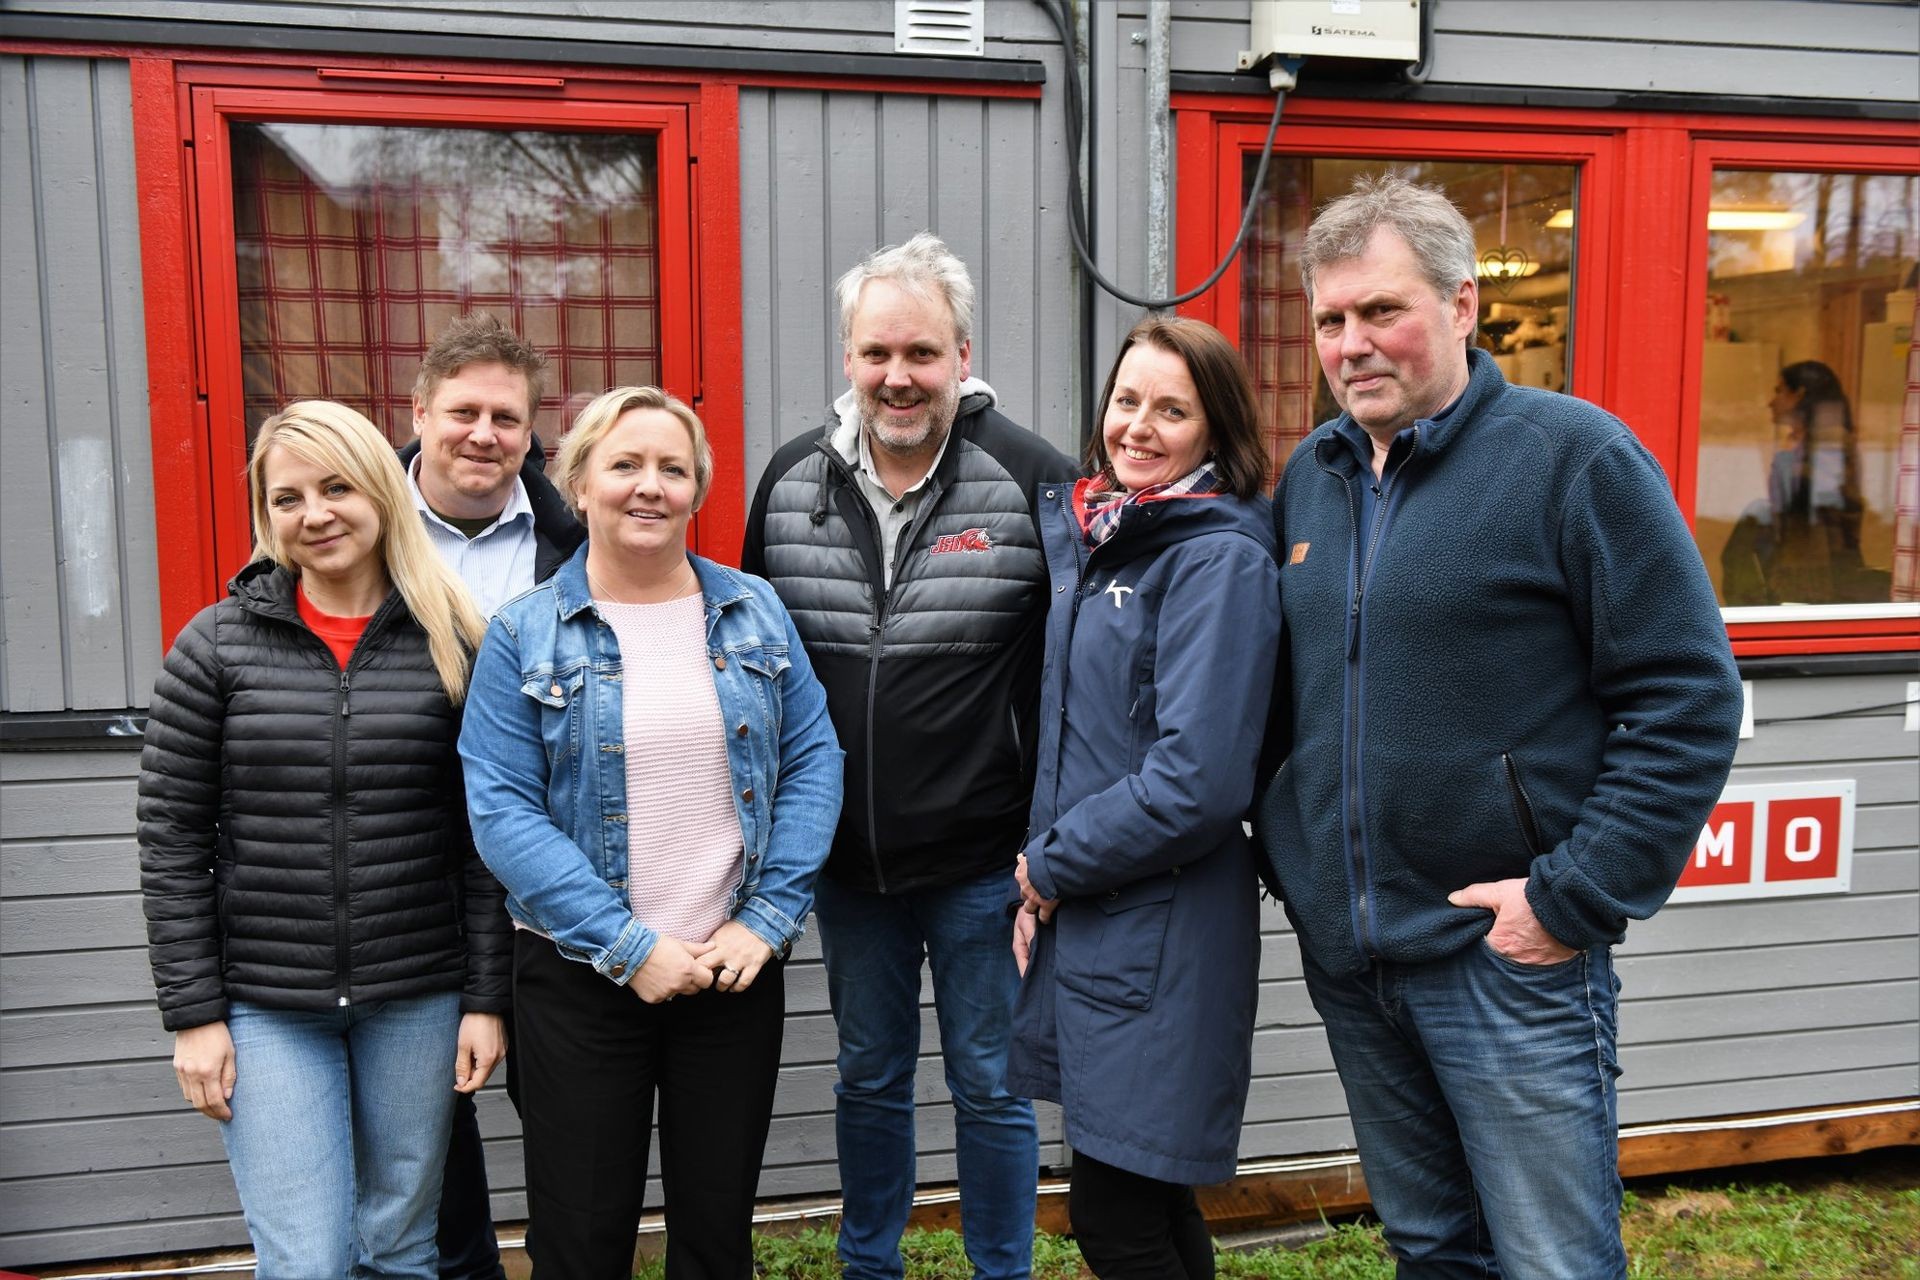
(1131, 1227)
(468, 1248)
(592, 1058)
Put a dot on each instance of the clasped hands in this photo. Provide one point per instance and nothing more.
(1034, 910)
(728, 961)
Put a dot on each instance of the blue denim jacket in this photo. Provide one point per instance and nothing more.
(547, 781)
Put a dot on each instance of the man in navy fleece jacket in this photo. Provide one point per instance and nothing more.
(1513, 705)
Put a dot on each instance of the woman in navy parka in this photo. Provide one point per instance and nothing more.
(1136, 1010)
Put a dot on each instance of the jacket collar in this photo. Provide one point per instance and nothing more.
(1153, 526)
(266, 588)
(1484, 385)
(720, 586)
(555, 529)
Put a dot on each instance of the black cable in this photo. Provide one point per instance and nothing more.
(1076, 202)
(1846, 713)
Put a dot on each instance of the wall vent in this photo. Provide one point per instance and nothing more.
(952, 28)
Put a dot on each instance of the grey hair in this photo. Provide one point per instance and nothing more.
(1432, 225)
(923, 267)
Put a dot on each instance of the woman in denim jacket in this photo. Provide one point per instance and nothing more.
(652, 775)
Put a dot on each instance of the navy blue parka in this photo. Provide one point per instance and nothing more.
(1136, 1012)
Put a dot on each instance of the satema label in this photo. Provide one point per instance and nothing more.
(1781, 839)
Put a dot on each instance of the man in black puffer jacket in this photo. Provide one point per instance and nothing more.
(903, 538)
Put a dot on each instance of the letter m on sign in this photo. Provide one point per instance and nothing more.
(1724, 852)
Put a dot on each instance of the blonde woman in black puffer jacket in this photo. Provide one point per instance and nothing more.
(330, 954)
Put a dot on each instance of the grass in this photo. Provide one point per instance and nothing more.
(1854, 1218)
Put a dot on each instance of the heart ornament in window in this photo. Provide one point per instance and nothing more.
(1503, 265)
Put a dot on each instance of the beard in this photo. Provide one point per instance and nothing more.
(925, 430)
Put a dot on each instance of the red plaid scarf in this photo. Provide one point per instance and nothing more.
(1098, 507)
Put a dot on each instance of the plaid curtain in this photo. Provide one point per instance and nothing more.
(1276, 333)
(1906, 485)
(356, 245)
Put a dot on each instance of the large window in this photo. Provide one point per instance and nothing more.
(335, 217)
(1801, 498)
(355, 244)
(1740, 291)
(1523, 220)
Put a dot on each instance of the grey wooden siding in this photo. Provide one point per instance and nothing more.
(1860, 50)
(1727, 1007)
(79, 611)
(827, 177)
(98, 1155)
(853, 27)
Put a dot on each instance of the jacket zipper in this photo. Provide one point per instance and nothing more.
(342, 939)
(1356, 675)
(1529, 828)
(876, 626)
(875, 629)
(343, 712)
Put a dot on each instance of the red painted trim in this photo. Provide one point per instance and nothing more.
(441, 77)
(183, 523)
(723, 520)
(220, 318)
(184, 99)
(1644, 328)
(1195, 253)
(1752, 647)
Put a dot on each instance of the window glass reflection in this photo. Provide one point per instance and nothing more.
(1523, 221)
(1802, 498)
(357, 243)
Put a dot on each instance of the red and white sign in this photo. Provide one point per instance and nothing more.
(1775, 840)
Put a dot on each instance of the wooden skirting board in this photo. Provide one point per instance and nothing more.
(1275, 1192)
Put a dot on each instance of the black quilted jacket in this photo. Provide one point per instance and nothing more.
(931, 682)
(303, 835)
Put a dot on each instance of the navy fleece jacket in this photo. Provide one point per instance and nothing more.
(1531, 679)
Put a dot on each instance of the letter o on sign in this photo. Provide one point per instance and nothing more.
(1803, 838)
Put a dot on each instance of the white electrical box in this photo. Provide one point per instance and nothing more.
(1380, 30)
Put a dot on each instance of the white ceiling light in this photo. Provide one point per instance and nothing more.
(1719, 219)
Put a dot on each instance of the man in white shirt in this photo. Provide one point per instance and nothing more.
(490, 511)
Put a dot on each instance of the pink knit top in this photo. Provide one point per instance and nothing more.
(684, 849)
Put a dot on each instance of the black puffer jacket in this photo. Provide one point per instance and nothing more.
(931, 681)
(303, 834)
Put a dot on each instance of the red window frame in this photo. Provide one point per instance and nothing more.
(1796, 631)
(197, 505)
(182, 111)
(216, 107)
(1640, 278)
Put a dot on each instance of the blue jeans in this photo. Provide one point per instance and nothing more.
(1482, 1098)
(873, 944)
(339, 1134)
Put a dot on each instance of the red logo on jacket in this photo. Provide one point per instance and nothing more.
(965, 540)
